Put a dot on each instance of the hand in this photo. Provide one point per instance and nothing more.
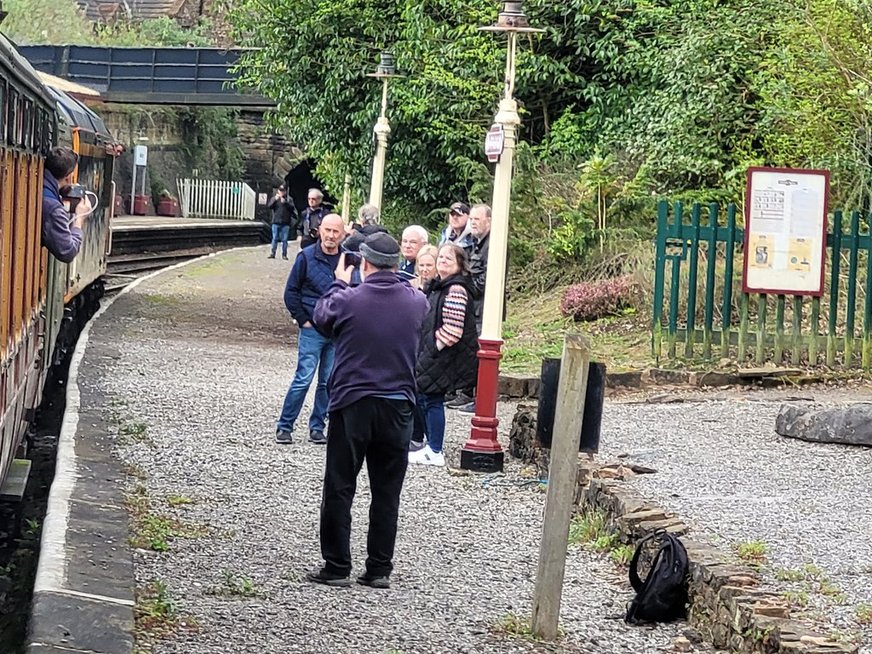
(342, 271)
(82, 211)
(307, 324)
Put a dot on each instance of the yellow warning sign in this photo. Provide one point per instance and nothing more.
(762, 252)
(799, 254)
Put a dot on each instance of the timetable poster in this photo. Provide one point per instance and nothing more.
(785, 231)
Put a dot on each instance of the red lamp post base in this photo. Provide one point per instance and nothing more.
(482, 452)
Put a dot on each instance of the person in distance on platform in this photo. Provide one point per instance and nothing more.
(311, 276)
(61, 232)
(284, 214)
(376, 327)
(458, 230)
(414, 238)
(449, 342)
(312, 216)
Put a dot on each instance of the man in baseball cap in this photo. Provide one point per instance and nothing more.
(459, 229)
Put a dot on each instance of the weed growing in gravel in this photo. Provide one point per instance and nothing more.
(514, 626)
(846, 637)
(588, 526)
(151, 531)
(863, 612)
(156, 612)
(235, 584)
(786, 574)
(621, 555)
(133, 470)
(179, 500)
(796, 598)
(752, 551)
(829, 589)
(393, 651)
(134, 432)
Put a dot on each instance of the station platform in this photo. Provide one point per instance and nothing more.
(177, 525)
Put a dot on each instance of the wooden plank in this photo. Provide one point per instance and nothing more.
(835, 262)
(562, 480)
(796, 353)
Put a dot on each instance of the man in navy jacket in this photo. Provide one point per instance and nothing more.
(310, 277)
(375, 327)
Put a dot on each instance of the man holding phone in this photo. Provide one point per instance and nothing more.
(311, 276)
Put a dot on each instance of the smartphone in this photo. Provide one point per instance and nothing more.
(352, 259)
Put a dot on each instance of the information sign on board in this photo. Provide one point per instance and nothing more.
(494, 143)
(785, 231)
(140, 155)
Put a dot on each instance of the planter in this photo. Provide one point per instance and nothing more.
(141, 205)
(168, 207)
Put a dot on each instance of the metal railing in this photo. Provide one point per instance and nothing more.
(211, 198)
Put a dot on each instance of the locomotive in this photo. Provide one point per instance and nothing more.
(43, 301)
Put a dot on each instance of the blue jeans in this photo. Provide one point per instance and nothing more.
(280, 233)
(314, 352)
(432, 407)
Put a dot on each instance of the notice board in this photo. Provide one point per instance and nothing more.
(785, 231)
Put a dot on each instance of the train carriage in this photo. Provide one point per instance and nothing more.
(39, 295)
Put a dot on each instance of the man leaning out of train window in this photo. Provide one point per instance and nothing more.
(61, 228)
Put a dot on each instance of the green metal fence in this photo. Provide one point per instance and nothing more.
(699, 263)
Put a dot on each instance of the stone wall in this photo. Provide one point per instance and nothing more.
(727, 607)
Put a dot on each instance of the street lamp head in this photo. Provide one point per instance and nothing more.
(512, 19)
(386, 66)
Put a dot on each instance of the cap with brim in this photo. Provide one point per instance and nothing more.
(381, 250)
(459, 208)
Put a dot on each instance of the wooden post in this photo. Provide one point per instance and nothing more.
(562, 479)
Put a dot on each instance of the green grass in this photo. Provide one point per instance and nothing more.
(156, 612)
(515, 626)
(753, 551)
(235, 584)
(798, 598)
(588, 527)
(622, 555)
(179, 500)
(534, 329)
(786, 574)
(152, 531)
(863, 614)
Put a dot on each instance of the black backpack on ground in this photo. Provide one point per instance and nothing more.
(662, 597)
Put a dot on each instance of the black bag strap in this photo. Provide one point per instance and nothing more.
(635, 580)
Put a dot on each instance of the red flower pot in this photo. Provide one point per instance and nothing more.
(168, 207)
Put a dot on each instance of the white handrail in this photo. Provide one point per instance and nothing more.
(211, 198)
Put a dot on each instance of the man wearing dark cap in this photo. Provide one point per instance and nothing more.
(375, 328)
(458, 230)
(284, 214)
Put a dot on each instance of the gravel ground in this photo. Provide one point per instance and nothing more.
(205, 356)
(723, 468)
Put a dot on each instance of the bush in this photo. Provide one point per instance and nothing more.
(597, 299)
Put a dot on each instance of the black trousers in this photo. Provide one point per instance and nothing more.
(378, 430)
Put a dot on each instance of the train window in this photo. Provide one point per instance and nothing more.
(7, 185)
(28, 124)
(2, 111)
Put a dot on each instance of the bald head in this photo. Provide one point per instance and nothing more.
(331, 231)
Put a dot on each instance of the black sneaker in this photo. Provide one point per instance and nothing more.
(462, 399)
(320, 577)
(272, 256)
(284, 437)
(414, 446)
(285, 257)
(317, 437)
(374, 581)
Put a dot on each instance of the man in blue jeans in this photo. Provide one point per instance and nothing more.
(284, 215)
(312, 274)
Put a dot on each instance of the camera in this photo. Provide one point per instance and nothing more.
(72, 195)
(352, 259)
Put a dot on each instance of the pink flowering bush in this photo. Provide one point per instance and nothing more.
(597, 299)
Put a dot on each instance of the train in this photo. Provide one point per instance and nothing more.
(43, 302)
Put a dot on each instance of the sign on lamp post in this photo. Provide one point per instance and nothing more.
(495, 142)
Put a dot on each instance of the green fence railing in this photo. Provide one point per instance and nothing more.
(698, 265)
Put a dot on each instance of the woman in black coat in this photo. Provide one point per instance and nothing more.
(447, 354)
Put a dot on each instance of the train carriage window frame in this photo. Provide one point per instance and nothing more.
(3, 96)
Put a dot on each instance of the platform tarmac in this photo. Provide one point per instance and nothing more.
(176, 523)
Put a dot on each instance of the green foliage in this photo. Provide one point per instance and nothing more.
(62, 22)
(209, 143)
(752, 551)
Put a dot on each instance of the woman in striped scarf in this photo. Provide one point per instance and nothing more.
(447, 354)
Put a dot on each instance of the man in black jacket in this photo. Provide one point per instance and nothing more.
(284, 214)
(312, 216)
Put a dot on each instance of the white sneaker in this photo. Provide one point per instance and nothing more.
(426, 456)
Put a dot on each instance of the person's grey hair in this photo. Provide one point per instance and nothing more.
(419, 231)
(316, 191)
(368, 214)
(486, 207)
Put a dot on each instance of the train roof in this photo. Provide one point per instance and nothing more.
(14, 64)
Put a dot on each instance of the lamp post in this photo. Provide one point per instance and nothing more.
(482, 452)
(385, 71)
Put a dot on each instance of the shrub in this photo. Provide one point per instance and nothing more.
(597, 299)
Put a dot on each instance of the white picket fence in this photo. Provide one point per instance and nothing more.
(212, 198)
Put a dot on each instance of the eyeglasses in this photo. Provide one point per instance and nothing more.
(313, 199)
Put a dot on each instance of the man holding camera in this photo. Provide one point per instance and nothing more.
(284, 214)
(311, 276)
(372, 394)
(61, 221)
